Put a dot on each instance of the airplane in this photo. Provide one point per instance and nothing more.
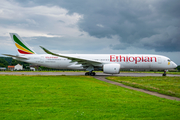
(108, 63)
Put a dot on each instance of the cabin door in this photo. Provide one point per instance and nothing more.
(159, 60)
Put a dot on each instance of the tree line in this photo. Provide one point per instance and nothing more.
(8, 61)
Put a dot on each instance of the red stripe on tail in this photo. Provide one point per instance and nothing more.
(23, 52)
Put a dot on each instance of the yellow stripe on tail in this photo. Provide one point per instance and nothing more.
(21, 48)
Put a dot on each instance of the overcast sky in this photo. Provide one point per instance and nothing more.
(93, 26)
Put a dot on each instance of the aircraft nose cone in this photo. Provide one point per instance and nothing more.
(174, 65)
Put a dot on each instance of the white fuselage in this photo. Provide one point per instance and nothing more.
(127, 61)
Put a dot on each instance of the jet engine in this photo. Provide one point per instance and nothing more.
(111, 68)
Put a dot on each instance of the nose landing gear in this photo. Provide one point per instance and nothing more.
(164, 74)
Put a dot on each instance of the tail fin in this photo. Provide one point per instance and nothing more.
(22, 46)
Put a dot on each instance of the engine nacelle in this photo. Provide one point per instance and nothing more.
(111, 68)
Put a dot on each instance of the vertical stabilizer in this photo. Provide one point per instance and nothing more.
(22, 47)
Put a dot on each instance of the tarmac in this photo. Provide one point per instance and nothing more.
(102, 77)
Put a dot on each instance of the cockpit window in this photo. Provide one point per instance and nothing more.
(169, 60)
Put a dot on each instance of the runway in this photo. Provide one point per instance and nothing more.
(82, 73)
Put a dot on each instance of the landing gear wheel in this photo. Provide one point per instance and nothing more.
(87, 73)
(92, 73)
(164, 74)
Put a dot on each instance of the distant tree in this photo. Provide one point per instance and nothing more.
(2, 65)
(178, 67)
(3, 62)
(44, 68)
(14, 62)
(8, 59)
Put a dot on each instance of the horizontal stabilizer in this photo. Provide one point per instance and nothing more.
(19, 57)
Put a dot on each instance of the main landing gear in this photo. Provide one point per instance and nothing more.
(90, 69)
(164, 74)
(90, 73)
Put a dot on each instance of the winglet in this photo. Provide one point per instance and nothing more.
(45, 50)
(48, 52)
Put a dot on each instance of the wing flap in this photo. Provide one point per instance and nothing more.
(83, 61)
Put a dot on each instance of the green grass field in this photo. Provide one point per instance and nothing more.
(165, 85)
(77, 97)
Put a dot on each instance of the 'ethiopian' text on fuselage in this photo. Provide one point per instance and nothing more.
(136, 59)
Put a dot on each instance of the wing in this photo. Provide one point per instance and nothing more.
(19, 57)
(85, 62)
